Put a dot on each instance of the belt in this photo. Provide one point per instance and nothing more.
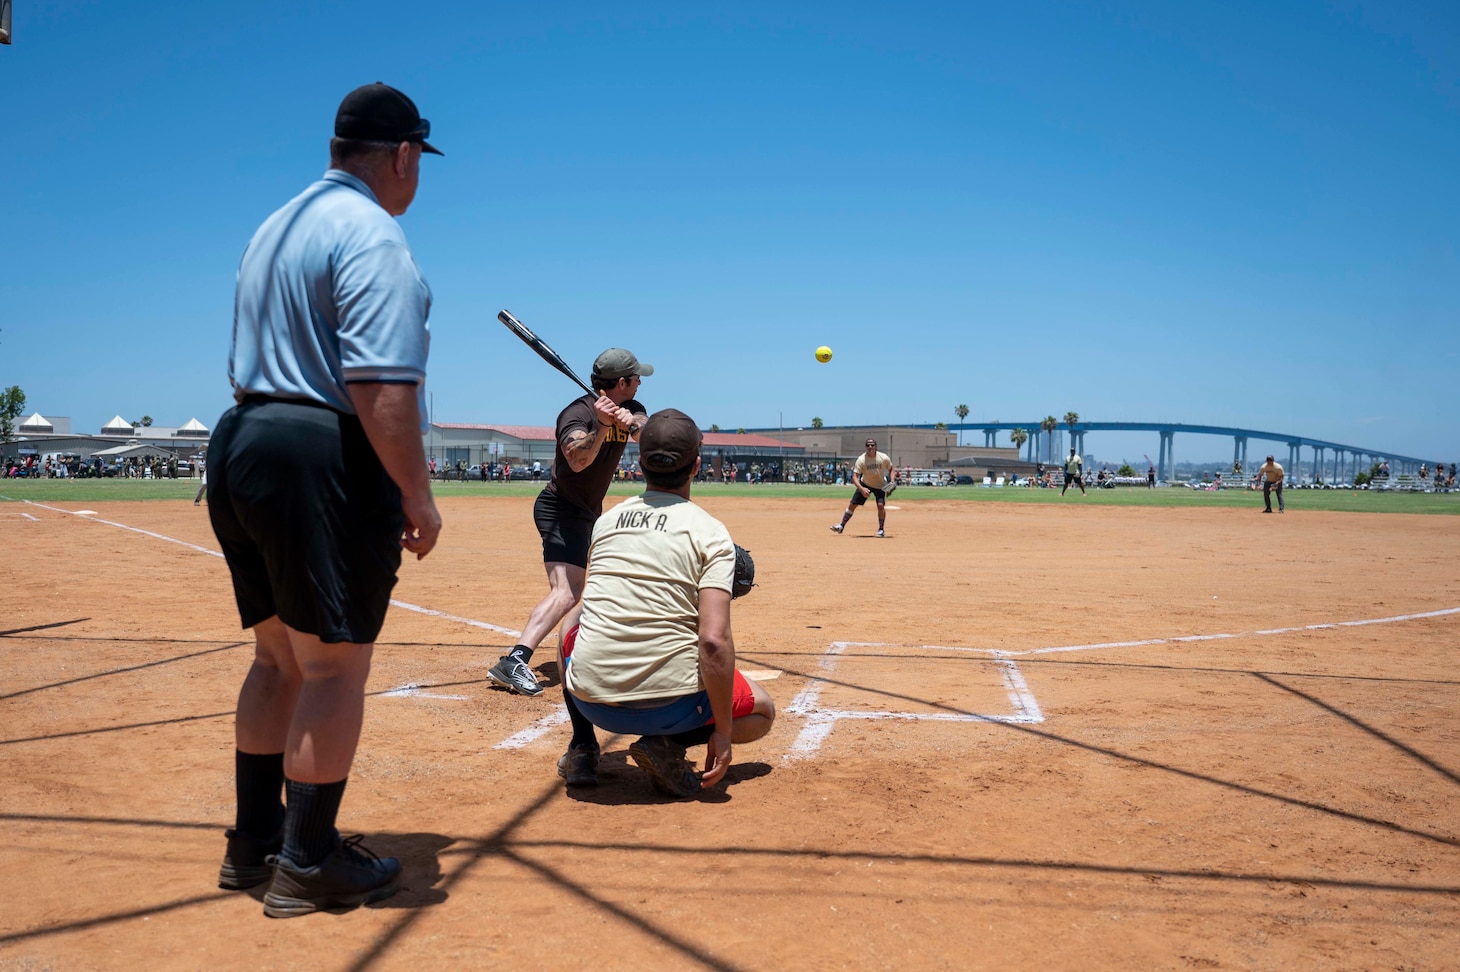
(253, 398)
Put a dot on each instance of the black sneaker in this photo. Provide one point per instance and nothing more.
(579, 765)
(349, 877)
(247, 861)
(663, 759)
(512, 673)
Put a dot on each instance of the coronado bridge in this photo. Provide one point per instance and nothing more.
(1333, 461)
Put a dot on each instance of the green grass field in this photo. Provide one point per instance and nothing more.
(1347, 501)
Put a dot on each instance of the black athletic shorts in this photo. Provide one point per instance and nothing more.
(858, 499)
(566, 529)
(308, 519)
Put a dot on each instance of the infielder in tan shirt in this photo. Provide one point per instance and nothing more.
(873, 476)
(1271, 475)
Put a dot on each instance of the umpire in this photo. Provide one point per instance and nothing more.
(317, 479)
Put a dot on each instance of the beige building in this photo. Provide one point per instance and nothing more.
(474, 444)
(910, 448)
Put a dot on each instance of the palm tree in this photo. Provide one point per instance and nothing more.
(1070, 419)
(1049, 424)
(962, 412)
(816, 422)
(1018, 437)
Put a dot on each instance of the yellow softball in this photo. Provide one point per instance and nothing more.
(823, 354)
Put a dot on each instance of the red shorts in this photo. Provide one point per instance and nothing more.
(742, 697)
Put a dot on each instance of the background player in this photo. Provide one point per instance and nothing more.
(1271, 475)
(871, 475)
(1073, 466)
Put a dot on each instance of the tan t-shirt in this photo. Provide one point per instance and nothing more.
(1271, 471)
(640, 636)
(877, 474)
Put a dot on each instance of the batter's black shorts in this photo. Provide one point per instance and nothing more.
(308, 519)
(566, 529)
(858, 499)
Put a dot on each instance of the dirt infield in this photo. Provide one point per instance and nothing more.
(940, 789)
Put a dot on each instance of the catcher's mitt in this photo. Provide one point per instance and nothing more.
(744, 573)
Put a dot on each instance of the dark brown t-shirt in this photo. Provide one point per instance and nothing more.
(586, 489)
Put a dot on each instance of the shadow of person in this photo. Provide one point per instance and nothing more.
(550, 675)
(622, 783)
(420, 864)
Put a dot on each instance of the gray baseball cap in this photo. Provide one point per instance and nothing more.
(616, 363)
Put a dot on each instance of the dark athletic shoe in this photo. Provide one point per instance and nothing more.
(663, 759)
(349, 877)
(512, 673)
(247, 861)
(579, 765)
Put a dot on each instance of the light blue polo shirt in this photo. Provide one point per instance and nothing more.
(328, 293)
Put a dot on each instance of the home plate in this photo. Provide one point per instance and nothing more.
(764, 675)
(86, 512)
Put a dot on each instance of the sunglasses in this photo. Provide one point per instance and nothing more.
(420, 133)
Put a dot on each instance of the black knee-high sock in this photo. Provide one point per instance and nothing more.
(583, 731)
(695, 737)
(309, 820)
(258, 781)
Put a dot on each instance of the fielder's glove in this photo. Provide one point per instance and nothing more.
(744, 573)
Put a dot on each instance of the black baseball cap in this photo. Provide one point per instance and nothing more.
(379, 113)
(616, 363)
(669, 442)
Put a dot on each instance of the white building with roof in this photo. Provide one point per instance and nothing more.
(41, 435)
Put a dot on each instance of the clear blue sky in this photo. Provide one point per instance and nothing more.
(1240, 213)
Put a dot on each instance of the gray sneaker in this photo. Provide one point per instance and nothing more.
(663, 759)
(512, 673)
(836, 528)
(349, 877)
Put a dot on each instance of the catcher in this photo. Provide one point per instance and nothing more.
(650, 653)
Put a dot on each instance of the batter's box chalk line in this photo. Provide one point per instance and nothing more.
(820, 722)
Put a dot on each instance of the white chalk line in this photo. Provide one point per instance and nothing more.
(412, 690)
(405, 691)
(406, 605)
(1266, 632)
(535, 731)
(820, 722)
(455, 617)
(34, 519)
(123, 526)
